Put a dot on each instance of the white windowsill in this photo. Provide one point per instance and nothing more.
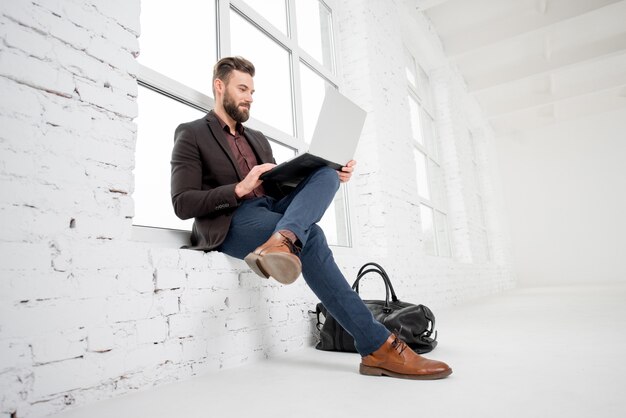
(161, 237)
(176, 238)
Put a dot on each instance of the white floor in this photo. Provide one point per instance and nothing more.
(542, 352)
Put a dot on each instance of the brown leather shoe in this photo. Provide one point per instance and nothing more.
(276, 258)
(396, 359)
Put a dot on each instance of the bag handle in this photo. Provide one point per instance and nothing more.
(318, 312)
(355, 286)
(378, 269)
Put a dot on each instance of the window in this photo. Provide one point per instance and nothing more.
(152, 198)
(173, 52)
(428, 171)
(291, 44)
(275, 11)
(481, 221)
(313, 87)
(272, 99)
(315, 30)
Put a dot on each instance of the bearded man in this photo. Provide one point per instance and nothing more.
(216, 164)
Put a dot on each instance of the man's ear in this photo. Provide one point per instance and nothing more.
(218, 85)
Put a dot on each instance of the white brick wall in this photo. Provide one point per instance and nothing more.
(388, 226)
(86, 313)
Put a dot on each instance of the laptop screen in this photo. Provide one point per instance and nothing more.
(338, 128)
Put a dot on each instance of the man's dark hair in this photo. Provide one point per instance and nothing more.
(227, 65)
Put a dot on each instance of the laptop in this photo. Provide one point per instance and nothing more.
(333, 144)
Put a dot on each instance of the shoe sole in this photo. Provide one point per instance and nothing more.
(251, 260)
(376, 371)
(283, 268)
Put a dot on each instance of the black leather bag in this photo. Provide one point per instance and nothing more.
(414, 324)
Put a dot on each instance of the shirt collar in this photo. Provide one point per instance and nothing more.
(226, 128)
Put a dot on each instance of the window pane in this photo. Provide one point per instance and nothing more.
(476, 175)
(335, 221)
(341, 215)
(281, 152)
(424, 87)
(429, 135)
(472, 144)
(410, 70)
(416, 127)
(272, 99)
(480, 209)
(315, 30)
(428, 231)
(158, 118)
(441, 223)
(273, 10)
(484, 244)
(313, 90)
(167, 29)
(436, 180)
(421, 174)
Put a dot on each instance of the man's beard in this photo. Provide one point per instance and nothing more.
(233, 110)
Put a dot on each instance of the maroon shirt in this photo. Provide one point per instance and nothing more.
(244, 155)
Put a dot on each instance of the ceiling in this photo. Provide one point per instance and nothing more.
(532, 63)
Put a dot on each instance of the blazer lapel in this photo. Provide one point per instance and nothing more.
(221, 139)
(256, 146)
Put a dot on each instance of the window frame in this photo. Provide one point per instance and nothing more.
(176, 90)
(420, 91)
(479, 197)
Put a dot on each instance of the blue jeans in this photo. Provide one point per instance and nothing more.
(255, 220)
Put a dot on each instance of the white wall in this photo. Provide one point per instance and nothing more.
(565, 188)
(87, 313)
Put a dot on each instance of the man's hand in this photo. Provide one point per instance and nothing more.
(346, 172)
(252, 181)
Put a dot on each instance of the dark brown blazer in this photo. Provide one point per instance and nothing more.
(204, 175)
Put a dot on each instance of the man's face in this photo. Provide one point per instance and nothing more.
(238, 96)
